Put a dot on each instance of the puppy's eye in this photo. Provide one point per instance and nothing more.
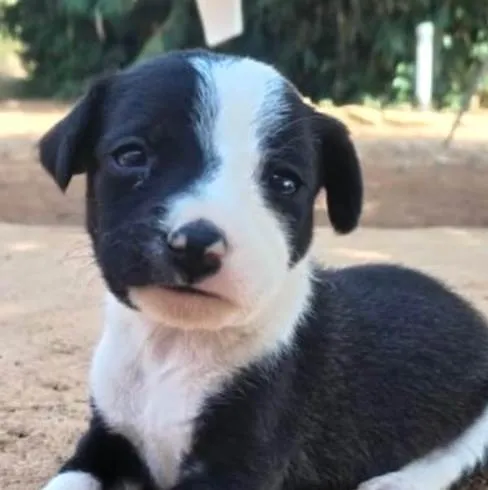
(131, 155)
(284, 182)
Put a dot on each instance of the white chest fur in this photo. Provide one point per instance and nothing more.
(149, 382)
(149, 386)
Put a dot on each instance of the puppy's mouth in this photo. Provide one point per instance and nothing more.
(183, 306)
(190, 290)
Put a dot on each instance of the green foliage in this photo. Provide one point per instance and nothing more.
(66, 43)
(106, 7)
(342, 50)
(61, 49)
(355, 50)
(351, 49)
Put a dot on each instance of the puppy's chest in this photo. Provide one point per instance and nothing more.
(154, 403)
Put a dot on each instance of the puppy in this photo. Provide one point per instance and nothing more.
(229, 359)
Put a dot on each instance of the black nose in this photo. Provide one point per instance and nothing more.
(197, 249)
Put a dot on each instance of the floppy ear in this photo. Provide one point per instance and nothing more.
(67, 147)
(340, 172)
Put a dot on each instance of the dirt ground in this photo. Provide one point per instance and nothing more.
(424, 207)
(410, 179)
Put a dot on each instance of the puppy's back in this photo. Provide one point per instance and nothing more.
(397, 364)
(396, 315)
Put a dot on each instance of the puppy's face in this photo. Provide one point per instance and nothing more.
(202, 171)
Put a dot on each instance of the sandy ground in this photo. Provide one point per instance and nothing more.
(50, 315)
(410, 179)
(50, 293)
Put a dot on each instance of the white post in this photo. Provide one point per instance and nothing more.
(424, 68)
(221, 19)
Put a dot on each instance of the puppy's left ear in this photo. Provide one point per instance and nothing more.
(340, 172)
(67, 147)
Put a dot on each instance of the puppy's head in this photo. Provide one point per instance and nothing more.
(202, 171)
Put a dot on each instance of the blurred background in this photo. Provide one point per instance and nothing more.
(409, 78)
(400, 73)
(346, 51)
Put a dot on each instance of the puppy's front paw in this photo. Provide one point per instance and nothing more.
(391, 481)
(73, 480)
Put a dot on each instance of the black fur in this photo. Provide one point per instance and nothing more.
(154, 104)
(341, 174)
(67, 149)
(109, 457)
(387, 365)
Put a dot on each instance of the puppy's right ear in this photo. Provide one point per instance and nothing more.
(67, 147)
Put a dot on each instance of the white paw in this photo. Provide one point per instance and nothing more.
(391, 481)
(73, 480)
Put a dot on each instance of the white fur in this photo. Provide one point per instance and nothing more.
(149, 381)
(441, 468)
(240, 101)
(73, 480)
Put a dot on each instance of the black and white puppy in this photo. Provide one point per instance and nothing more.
(229, 359)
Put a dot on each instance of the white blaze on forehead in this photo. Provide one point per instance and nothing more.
(240, 101)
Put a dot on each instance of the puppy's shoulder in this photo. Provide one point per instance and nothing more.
(393, 296)
(383, 280)
(379, 274)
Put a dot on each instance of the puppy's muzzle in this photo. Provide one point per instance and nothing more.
(197, 250)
